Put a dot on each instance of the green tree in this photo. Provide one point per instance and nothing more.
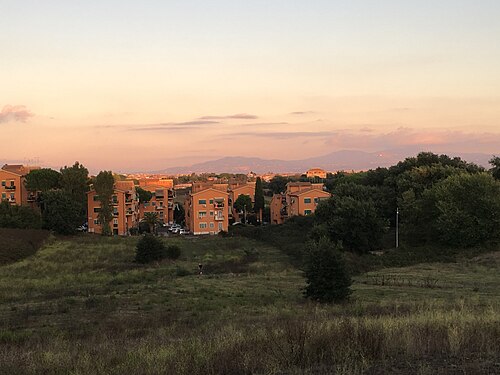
(179, 214)
(149, 248)
(278, 184)
(243, 204)
(61, 213)
(327, 277)
(43, 180)
(104, 187)
(259, 198)
(495, 170)
(75, 182)
(144, 195)
(152, 219)
(15, 216)
(353, 222)
(468, 209)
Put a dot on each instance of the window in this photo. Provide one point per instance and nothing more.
(307, 200)
(211, 201)
(211, 225)
(96, 198)
(96, 221)
(12, 196)
(202, 214)
(211, 213)
(4, 196)
(11, 182)
(115, 221)
(202, 201)
(97, 209)
(114, 199)
(203, 225)
(3, 183)
(307, 212)
(316, 200)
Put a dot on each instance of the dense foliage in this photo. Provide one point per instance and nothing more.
(43, 180)
(150, 248)
(22, 217)
(259, 198)
(61, 213)
(327, 278)
(75, 183)
(103, 185)
(144, 195)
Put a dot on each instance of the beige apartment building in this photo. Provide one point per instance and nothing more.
(125, 209)
(207, 211)
(162, 202)
(300, 199)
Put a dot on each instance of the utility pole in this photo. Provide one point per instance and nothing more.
(397, 227)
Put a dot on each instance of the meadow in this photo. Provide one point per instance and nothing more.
(80, 305)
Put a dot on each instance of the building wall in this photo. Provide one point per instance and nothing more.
(125, 212)
(234, 192)
(207, 211)
(275, 207)
(316, 172)
(12, 188)
(161, 203)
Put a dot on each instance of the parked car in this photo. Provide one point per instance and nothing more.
(183, 231)
(175, 230)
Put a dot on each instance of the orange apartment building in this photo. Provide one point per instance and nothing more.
(12, 184)
(156, 183)
(235, 190)
(300, 198)
(162, 203)
(316, 172)
(125, 209)
(207, 210)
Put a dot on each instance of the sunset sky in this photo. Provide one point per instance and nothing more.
(142, 85)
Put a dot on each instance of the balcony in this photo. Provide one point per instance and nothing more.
(31, 198)
(160, 207)
(129, 212)
(115, 214)
(11, 187)
(128, 200)
(219, 218)
(218, 205)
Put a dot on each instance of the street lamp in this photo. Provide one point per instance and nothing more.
(397, 227)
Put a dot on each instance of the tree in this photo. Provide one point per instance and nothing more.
(14, 216)
(353, 222)
(467, 209)
(75, 182)
(152, 219)
(61, 213)
(278, 184)
(149, 248)
(179, 214)
(495, 171)
(327, 278)
(144, 195)
(104, 187)
(43, 180)
(259, 198)
(243, 203)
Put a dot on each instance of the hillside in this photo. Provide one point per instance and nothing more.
(81, 305)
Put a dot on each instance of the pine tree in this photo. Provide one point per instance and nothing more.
(103, 186)
(259, 198)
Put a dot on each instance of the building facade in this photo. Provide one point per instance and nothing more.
(162, 202)
(12, 184)
(316, 172)
(125, 207)
(300, 199)
(207, 211)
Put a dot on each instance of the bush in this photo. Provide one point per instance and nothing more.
(150, 248)
(326, 272)
(173, 252)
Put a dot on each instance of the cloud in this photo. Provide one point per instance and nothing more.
(265, 124)
(17, 113)
(282, 135)
(186, 125)
(298, 113)
(238, 116)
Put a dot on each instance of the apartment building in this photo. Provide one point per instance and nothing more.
(156, 183)
(12, 184)
(235, 190)
(207, 210)
(316, 172)
(125, 209)
(300, 198)
(162, 202)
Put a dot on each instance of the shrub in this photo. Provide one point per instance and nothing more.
(173, 252)
(149, 248)
(326, 272)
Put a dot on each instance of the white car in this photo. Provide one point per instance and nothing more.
(183, 231)
(175, 229)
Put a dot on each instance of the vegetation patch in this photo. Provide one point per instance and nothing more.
(17, 244)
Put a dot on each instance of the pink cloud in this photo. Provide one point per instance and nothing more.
(17, 113)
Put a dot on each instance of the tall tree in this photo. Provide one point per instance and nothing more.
(144, 195)
(243, 203)
(42, 180)
(75, 182)
(103, 185)
(152, 219)
(61, 213)
(495, 170)
(259, 198)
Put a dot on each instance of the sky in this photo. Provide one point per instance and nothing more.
(144, 85)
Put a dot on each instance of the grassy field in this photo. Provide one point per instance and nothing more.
(82, 306)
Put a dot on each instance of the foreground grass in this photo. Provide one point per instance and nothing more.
(82, 306)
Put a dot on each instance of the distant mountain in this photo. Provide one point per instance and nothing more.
(338, 160)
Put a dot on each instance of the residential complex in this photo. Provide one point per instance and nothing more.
(316, 172)
(162, 202)
(125, 209)
(12, 184)
(300, 198)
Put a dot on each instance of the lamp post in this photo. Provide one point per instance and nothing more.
(397, 227)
